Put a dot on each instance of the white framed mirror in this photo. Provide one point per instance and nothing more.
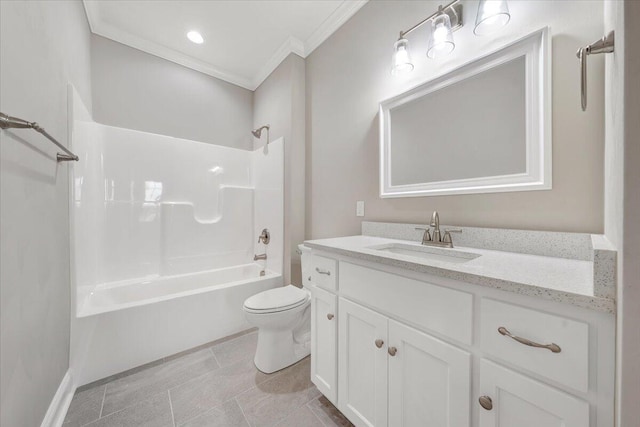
(484, 127)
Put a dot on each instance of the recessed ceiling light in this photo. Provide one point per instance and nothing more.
(195, 37)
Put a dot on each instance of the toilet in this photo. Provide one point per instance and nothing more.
(283, 318)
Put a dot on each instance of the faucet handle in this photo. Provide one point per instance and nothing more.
(447, 234)
(264, 237)
(426, 237)
(453, 230)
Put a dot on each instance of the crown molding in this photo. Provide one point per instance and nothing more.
(339, 16)
(92, 15)
(292, 45)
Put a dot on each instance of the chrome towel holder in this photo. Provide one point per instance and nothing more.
(8, 122)
(604, 45)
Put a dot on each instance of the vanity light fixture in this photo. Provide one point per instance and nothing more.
(492, 16)
(195, 37)
(443, 23)
(401, 58)
(441, 42)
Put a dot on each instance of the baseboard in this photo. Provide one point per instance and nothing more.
(60, 403)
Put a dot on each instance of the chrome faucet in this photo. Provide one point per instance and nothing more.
(259, 257)
(435, 223)
(443, 241)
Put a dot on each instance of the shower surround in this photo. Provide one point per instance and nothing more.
(163, 234)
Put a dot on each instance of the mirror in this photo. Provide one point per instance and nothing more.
(482, 128)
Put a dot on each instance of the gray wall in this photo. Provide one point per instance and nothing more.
(43, 46)
(349, 74)
(280, 102)
(135, 90)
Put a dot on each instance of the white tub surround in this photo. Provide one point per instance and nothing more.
(163, 237)
(571, 268)
(405, 334)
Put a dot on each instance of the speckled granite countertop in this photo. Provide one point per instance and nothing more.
(565, 280)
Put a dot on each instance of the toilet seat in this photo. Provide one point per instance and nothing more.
(275, 300)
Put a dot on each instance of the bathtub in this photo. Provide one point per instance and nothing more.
(153, 289)
(123, 325)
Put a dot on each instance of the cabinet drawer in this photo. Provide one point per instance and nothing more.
(445, 311)
(569, 366)
(324, 272)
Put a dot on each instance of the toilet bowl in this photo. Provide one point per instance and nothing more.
(283, 318)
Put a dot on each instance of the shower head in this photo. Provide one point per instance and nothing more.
(258, 132)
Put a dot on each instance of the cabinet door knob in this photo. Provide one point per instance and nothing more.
(486, 402)
(379, 343)
(329, 316)
(392, 351)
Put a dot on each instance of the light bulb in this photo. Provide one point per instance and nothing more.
(195, 37)
(401, 58)
(439, 35)
(441, 42)
(492, 16)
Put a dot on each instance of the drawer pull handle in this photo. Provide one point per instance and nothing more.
(327, 272)
(379, 343)
(486, 402)
(330, 316)
(393, 351)
(555, 348)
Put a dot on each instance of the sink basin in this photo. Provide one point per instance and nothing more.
(426, 252)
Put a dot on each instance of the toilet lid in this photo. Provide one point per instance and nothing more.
(277, 299)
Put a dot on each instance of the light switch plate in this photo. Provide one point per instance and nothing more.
(360, 208)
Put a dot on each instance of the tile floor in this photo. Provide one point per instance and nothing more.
(215, 385)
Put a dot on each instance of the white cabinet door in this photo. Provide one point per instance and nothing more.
(324, 343)
(429, 380)
(362, 365)
(519, 401)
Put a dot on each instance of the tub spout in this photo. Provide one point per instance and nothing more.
(259, 257)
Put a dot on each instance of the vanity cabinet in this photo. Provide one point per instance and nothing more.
(324, 328)
(413, 349)
(362, 364)
(392, 374)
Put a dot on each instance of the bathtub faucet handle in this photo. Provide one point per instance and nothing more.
(264, 237)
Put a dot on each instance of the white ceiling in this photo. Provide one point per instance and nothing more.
(244, 40)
